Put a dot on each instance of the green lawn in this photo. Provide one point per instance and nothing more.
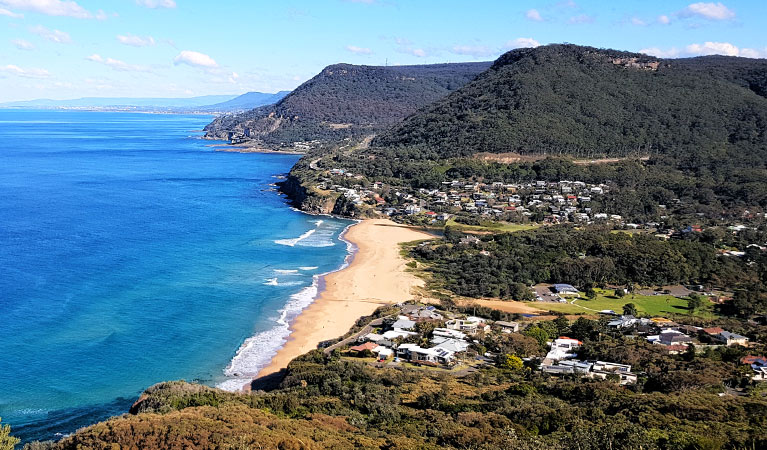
(502, 227)
(653, 305)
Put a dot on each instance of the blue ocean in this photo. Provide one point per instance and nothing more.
(132, 252)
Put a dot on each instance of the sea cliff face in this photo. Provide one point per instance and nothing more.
(301, 198)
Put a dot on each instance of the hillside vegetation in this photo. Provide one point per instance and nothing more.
(587, 102)
(346, 100)
(327, 402)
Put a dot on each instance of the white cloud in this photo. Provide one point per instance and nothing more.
(473, 50)
(521, 43)
(705, 49)
(26, 73)
(534, 15)
(50, 7)
(116, 64)
(660, 53)
(57, 36)
(21, 44)
(713, 48)
(638, 22)
(417, 52)
(195, 59)
(753, 53)
(663, 19)
(581, 18)
(5, 12)
(359, 50)
(136, 41)
(710, 10)
(154, 4)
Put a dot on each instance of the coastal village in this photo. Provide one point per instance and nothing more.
(421, 335)
(538, 202)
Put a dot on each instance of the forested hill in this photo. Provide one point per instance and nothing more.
(347, 100)
(588, 102)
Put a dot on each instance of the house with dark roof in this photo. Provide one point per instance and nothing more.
(565, 289)
(758, 365)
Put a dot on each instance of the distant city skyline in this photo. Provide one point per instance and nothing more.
(65, 49)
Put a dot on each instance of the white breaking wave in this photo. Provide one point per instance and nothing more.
(286, 271)
(257, 351)
(309, 268)
(294, 241)
(320, 236)
(272, 282)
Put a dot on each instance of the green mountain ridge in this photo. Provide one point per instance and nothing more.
(346, 100)
(588, 102)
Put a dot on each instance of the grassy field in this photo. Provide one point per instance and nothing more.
(495, 227)
(654, 305)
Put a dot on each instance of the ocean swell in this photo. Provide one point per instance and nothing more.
(258, 350)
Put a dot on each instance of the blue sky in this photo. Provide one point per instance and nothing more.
(179, 48)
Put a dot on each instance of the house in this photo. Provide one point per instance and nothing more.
(565, 289)
(363, 348)
(450, 344)
(507, 327)
(729, 339)
(395, 334)
(758, 365)
(429, 356)
(377, 338)
(592, 369)
(670, 337)
(448, 333)
(567, 367)
(469, 325)
(623, 322)
(383, 353)
(425, 314)
(602, 369)
(562, 348)
(403, 323)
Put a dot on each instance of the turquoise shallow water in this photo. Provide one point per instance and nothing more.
(132, 253)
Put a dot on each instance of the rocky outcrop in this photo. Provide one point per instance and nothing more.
(305, 200)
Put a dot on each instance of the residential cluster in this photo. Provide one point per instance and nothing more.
(452, 338)
(549, 202)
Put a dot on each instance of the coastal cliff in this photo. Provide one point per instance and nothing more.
(306, 200)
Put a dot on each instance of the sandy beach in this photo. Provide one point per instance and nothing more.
(375, 277)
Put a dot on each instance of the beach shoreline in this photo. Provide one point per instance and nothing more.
(372, 275)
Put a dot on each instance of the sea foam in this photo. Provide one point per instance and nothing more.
(257, 351)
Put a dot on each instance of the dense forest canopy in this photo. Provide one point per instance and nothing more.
(347, 100)
(586, 102)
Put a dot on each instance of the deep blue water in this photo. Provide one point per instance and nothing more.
(132, 253)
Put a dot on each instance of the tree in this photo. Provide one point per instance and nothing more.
(562, 325)
(7, 442)
(539, 335)
(694, 302)
(511, 362)
(620, 293)
(591, 294)
(629, 309)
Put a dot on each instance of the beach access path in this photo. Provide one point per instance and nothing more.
(376, 276)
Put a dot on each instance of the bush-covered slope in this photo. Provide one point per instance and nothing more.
(325, 402)
(347, 100)
(588, 102)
